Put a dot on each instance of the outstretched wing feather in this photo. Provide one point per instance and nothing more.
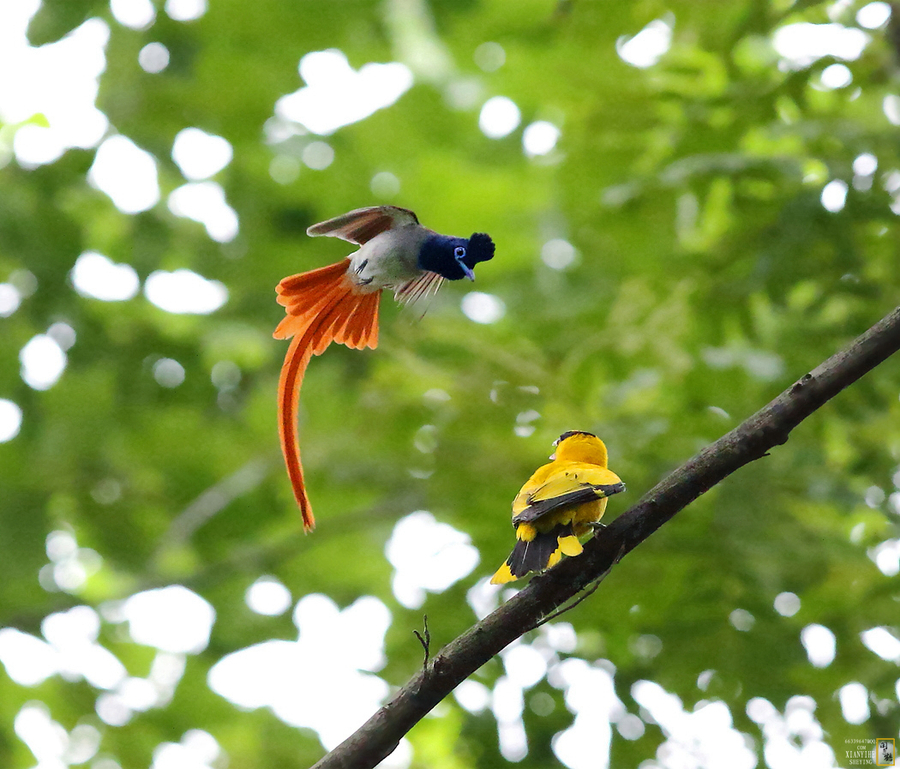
(363, 224)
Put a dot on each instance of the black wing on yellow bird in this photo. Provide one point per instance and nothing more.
(585, 492)
(559, 503)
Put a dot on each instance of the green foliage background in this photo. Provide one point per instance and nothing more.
(709, 277)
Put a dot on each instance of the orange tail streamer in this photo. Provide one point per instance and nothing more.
(322, 306)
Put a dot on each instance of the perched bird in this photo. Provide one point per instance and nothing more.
(563, 500)
(339, 303)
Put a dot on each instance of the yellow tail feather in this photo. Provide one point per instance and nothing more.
(503, 575)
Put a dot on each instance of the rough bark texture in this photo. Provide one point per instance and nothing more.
(767, 428)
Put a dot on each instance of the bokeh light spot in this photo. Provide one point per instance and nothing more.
(882, 642)
(473, 696)
(127, 174)
(865, 164)
(803, 43)
(539, 138)
(874, 15)
(268, 596)
(185, 10)
(787, 604)
(336, 95)
(708, 730)
(153, 58)
(63, 334)
(490, 56)
(499, 117)
(172, 619)
(10, 299)
(284, 168)
(168, 372)
(205, 202)
(483, 308)
(741, 619)
(646, 47)
(427, 556)
(58, 81)
(197, 750)
(558, 254)
(37, 145)
(28, 660)
(318, 155)
(96, 276)
(200, 155)
(43, 362)
(45, 738)
(184, 291)
(10, 420)
(820, 645)
(854, 699)
(524, 664)
(836, 76)
(385, 185)
(225, 375)
(834, 195)
(334, 652)
(134, 14)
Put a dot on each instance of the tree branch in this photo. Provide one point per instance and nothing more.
(767, 428)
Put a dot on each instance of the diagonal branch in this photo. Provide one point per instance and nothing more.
(767, 428)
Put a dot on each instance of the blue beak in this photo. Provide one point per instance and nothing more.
(467, 271)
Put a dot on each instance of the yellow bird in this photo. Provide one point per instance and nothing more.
(562, 501)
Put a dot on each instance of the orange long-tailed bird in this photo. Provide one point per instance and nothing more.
(563, 500)
(339, 303)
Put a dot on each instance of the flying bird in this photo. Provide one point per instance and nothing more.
(563, 500)
(339, 303)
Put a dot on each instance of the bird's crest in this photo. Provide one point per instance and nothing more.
(481, 249)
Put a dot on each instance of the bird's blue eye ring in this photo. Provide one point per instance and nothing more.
(459, 252)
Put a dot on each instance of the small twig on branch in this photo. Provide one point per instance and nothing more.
(767, 428)
(587, 591)
(425, 641)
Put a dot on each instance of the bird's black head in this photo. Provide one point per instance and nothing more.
(455, 258)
